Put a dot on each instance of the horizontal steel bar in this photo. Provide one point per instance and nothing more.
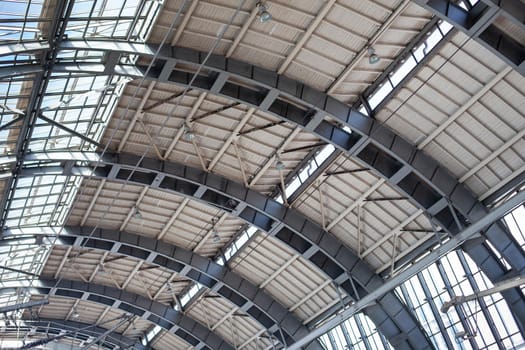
(22, 306)
(79, 330)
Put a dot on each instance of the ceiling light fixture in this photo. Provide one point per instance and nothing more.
(136, 213)
(188, 134)
(75, 313)
(214, 233)
(373, 58)
(264, 15)
(279, 165)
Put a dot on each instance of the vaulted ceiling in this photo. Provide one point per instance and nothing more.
(183, 174)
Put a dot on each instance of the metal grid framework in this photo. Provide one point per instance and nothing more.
(177, 199)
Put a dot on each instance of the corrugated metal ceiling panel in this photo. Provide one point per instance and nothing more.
(480, 143)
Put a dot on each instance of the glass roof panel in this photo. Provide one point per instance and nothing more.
(19, 19)
(466, 325)
(73, 103)
(44, 201)
(82, 104)
(14, 97)
(20, 260)
(119, 19)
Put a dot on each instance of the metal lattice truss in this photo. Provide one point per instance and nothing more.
(182, 175)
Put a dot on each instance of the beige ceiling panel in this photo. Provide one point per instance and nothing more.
(167, 340)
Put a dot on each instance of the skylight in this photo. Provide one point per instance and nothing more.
(20, 260)
(18, 12)
(457, 274)
(117, 19)
(73, 100)
(516, 223)
(408, 63)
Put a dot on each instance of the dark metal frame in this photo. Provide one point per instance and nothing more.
(49, 53)
(453, 243)
(219, 279)
(306, 237)
(478, 22)
(54, 326)
(162, 315)
(428, 185)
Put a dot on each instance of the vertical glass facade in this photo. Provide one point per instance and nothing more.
(358, 332)
(486, 323)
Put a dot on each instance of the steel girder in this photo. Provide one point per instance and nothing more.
(485, 23)
(418, 266)
(24, 47)
(240, 292)
(55, 326)
(162, 315)
(428, 185)
(306, 237)
(26, 69)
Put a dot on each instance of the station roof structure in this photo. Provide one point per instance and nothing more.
(242, 174)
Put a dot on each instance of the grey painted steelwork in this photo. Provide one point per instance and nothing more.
(242, 293)
(25, 69)
(481, 301)
(433, 308)
(428, 185)
(423, 263)
(54, 32)
(55, 326)
(463, 317)
(21, 306)
(162, 315)
(384, 78)
(508, 189)
(309, 239)
(10, 49)
(478, 23)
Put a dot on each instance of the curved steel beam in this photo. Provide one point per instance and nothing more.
(309, 239)
(21, 70)
(240, 292)
(160, 314)
(428, 185)
(55, 326)
(480, 22)
(11, 49)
